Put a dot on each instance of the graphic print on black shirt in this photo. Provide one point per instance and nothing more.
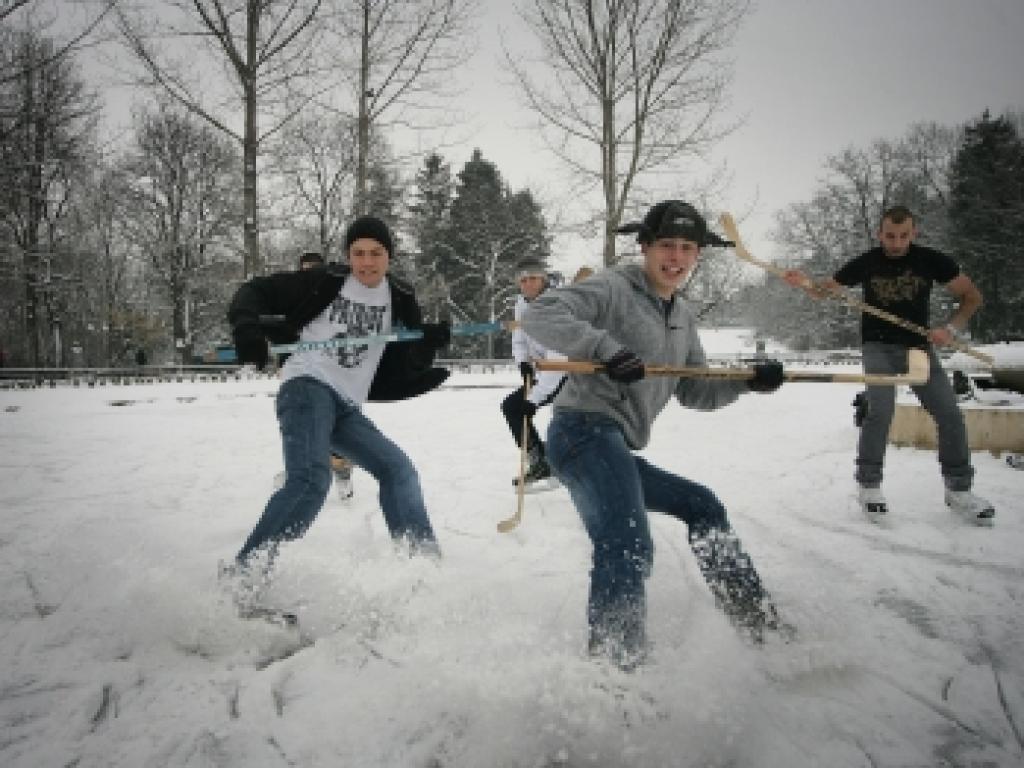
(900, 286)
(355, 320)
(893, 289)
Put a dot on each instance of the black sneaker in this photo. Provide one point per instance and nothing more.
(538, 470)
(538, 477)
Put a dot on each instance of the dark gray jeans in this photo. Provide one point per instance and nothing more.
(936, 397)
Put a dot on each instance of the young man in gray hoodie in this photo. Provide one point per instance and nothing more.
(626, 317)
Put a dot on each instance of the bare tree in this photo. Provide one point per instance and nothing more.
(313, 164)
(627, 88)
(184, 213)
(8, 7)
(400, 67)
(111, 313)
(46, 125)
(268, 50)
(842, 217)
(41, 15)
(858, 184)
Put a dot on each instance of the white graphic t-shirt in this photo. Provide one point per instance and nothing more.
(356, 311)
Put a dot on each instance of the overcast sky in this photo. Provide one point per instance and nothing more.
(811, 78)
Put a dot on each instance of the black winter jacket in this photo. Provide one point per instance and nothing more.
(278, 306)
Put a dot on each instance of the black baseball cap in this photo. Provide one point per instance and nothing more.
(673, 218)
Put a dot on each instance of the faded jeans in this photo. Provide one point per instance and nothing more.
(315, 421)
(612, 490)
(936, 397)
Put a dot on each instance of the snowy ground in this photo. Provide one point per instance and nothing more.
(117, 649)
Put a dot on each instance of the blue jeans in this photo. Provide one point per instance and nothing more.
(612, 490)
(936, 397)
(315, 421)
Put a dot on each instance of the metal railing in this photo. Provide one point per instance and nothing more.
(29, 378)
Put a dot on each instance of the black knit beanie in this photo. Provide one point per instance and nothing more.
(371, 227)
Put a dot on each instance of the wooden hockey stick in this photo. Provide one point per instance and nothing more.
(917, 372)
(511, 523)
(729, 226)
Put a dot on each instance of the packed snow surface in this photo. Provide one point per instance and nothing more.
(118, 647)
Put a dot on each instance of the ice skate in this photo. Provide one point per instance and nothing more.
(873, 504)
(971, 507)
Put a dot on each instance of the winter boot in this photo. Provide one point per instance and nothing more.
(618, 633)
(971, 507)
(246, 582)
(872, 503)
(736, 586)
(244, 585)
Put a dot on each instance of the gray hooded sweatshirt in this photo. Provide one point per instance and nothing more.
(615, 309)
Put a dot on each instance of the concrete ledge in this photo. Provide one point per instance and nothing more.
(990, 429)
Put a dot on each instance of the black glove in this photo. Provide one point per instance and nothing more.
(526, 371)
(251, 347)
(767, 377)
(529, 409)
(624, 367)
(437, 335)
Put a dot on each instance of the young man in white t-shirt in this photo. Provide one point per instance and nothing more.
(322, 390)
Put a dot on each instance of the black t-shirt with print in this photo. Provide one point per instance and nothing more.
(899, 286)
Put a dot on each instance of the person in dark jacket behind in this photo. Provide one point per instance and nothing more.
(319, 401)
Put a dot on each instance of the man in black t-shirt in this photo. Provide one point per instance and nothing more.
(897, 276)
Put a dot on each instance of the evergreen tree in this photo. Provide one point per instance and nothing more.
(429, 213)
(987, 217)
(491, 229)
